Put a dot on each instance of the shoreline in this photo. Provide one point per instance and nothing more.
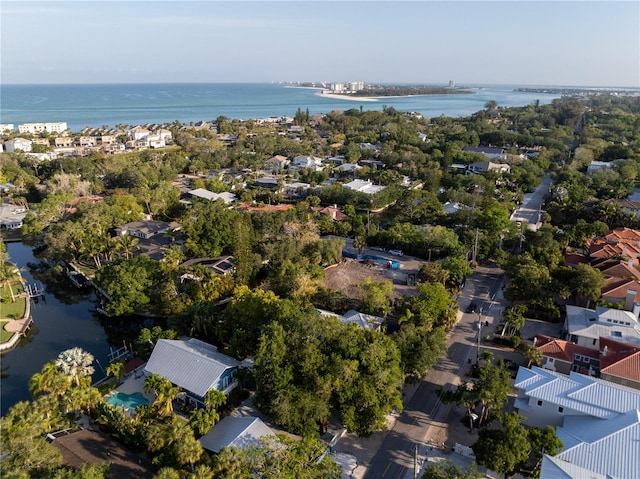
(335, 96)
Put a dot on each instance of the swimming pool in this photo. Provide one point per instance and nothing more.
(131, 401)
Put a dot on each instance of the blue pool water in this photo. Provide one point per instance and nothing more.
(127, 400)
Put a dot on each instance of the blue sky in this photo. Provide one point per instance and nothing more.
(586, 43)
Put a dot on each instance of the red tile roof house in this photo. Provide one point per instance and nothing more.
(333, 211)
(564, 356)
(616, 361)
(618, 242)
(620, 362)
(613, 267)
(622, 291)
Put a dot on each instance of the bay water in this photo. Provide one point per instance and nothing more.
(65, 317)
(95, 105)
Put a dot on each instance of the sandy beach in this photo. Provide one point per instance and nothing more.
(323, 93)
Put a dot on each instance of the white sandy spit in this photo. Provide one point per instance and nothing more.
(333, 96)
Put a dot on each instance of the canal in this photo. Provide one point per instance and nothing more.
(64, 318)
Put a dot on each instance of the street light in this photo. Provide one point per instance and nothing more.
(479, 335)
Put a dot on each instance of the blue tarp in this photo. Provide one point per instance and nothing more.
(387, 263)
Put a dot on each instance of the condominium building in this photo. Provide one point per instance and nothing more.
(35, 128)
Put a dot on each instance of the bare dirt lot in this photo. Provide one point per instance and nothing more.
(346, 276)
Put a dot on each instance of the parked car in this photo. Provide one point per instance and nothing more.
(472, 308)
(396, 252)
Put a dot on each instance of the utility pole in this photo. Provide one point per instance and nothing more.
(479, 335)
(415, 462)
(475, 247)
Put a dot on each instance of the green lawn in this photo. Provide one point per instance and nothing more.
(4, 335)
(7, 308)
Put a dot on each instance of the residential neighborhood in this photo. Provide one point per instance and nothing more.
(358, 290)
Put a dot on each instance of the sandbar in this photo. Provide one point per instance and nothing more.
(334, 96)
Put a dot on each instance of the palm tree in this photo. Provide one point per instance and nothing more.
(83, 398)
(165, 392)
(188, 450)
(128, 244)
(116, 369)
(202, 420)
(360, 243)
(49, 380)
(214, 398)
(533, 355)
(8, 271)
(75, 363)
(466, 396)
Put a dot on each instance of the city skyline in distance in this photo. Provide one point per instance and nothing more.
(567, 43)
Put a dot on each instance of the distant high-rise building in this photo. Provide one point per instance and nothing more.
(452, 84)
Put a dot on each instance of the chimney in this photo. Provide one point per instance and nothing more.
(629, 300)
(604, 352)
(630, 262)
(535, 340)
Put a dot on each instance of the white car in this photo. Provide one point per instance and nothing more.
(396, 252)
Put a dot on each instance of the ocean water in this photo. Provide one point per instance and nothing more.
(133, 104)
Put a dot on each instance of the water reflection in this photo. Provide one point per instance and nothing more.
(65, 317)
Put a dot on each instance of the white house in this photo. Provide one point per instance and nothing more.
(312, 162)
(88, 141)
(347, 168)
(11, 216)
(364, 186)
(235, 431)
(227, 197)
(6, 127)
(597, 421)
(485, 166)
(548, 397)
(145, 229)
(366, 321)
(596, 449)
(585, 326)
(15, 144)
(193, 365)
(138, 133)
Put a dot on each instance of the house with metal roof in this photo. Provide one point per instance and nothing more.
(204, 194)
(239, 432)
(363, 186)
(548, 397)
(193, 365)
(585, 326)
(366, 321)
(596, 449)
(491, 153)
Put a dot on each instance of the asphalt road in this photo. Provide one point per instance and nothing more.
(425, 419)
(529, 211)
